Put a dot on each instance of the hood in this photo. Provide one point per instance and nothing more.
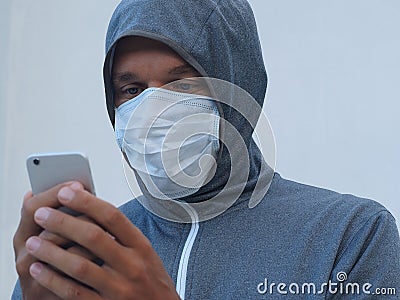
(219, 39)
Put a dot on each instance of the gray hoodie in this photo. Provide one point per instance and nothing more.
(299, 241)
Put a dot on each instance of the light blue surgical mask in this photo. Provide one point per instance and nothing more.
(171, 139)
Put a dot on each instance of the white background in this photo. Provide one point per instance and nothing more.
(333, 97)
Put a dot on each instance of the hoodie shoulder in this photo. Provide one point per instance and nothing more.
(317, 210)
(305, 198)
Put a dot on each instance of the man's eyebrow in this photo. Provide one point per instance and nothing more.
(179, 70)
(183, 69)
(123, 77)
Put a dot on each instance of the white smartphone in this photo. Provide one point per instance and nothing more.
(49, 169)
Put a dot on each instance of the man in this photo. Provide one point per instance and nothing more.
(296, 238)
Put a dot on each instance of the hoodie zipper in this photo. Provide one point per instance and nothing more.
(184, 261)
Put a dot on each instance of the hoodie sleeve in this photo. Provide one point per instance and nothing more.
(370, 261)
(17, 293)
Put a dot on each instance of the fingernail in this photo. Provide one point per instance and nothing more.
(32, 243)
(76, 186)
(42, 214)
(66, 193)
(35, 269)
(28, 195)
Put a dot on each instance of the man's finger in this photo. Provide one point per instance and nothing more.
(57, 239)
(31, 203)
(28, 195)
(73, 265)
(86, 234)
(82, 252)
(63, 287)
(106, 215)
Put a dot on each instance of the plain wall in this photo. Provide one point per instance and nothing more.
(333, 97)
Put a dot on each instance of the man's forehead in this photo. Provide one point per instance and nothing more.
(134, 52)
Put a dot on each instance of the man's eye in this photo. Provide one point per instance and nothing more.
(181, 87)
(185, 86)
(132, 91)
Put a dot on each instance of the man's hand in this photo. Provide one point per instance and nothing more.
(27, 228)
(131, 269)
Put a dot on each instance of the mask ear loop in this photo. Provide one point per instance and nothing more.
(221, 115)
(221, 128)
